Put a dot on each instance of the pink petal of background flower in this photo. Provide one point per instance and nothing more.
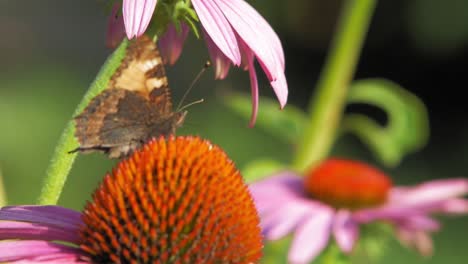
(311, 237)
(220, 62)
(284, 208)
(137, 15)
(172, 42)
(345, 230)
(115, 27)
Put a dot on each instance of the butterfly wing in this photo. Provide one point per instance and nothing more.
(114, 122)
(142, 68)
(134, 107)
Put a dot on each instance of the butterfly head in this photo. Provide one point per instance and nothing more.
(179, 118)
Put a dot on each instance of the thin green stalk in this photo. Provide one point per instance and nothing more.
(62, 161)
(327, 104)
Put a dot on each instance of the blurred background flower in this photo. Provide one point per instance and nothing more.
(54, 50)
(338, 196)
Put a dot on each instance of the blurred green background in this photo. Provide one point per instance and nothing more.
(50, 51)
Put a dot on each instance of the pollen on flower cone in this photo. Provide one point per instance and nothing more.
(347, 184)
(178, 200)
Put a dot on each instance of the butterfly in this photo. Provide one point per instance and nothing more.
(135, 107)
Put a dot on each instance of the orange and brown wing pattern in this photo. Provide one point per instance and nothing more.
(135, 107)
(142, 68)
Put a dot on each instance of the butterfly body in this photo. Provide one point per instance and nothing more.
(134, 108)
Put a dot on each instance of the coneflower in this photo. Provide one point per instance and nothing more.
(337, 197)
(177, 200)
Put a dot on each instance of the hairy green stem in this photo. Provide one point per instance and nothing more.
(62, 161)
(326, 106)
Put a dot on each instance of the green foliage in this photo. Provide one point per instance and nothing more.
(261, 168)
(286, 124)
(332, 255)
(276, 252)
(373, 243)
(438, 28)
(408, 125)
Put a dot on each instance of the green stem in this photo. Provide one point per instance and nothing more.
(3, 195)
(62, 161)
(327, 104)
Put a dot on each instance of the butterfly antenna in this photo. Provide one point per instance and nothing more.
(190, 104)
(179, 106)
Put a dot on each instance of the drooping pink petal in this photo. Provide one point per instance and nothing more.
(345, 230)
(419, 240)
(17, 250)
(218, 28)
(418, 222)
(311, 237)
(253, 80)
(115, 27)
(250, 25)
(38, 231)
(261, 39)
(61, 217)
(220, 62)
(172, 42)
(137, 15)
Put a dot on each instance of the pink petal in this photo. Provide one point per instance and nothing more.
(434, 196)
(419, 240)
(345, 230)
(18, 250)
(58, 258)
(432, 191)
(253, 81)
(220, 62)
(311, 237)
(137, 15)
(218, 28)
(287, 216)
(419, 222)
(261, 39)
(115, 27)
(452, 206)
(277, 188)
(61, 217)
(31, 231)
(172, 42)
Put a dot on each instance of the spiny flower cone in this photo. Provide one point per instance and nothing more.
(178, 200)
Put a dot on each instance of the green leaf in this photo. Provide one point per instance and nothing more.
(332, 255)
(373, 242)
(260, 168)
(286, 124)
(408, 124)
(276, 252)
